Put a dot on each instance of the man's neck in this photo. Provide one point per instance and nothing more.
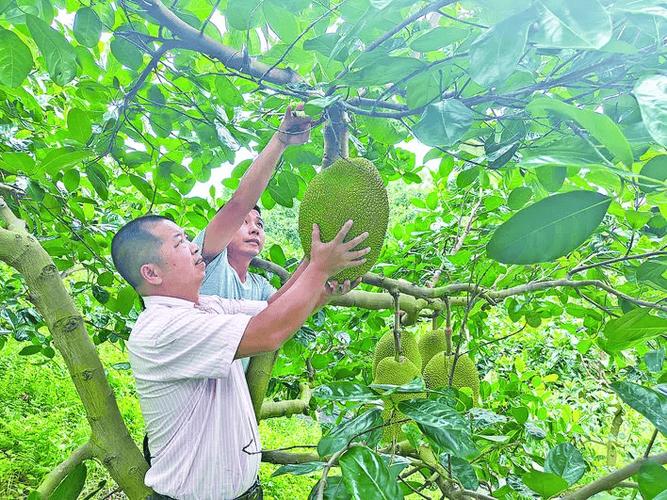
(192, 297)
(240, 264)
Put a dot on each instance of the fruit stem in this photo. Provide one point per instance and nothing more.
(448, 327)
(397, 325)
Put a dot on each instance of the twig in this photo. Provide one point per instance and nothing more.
(325, 472)
(55, 477)
(618, 259)
(607, 482)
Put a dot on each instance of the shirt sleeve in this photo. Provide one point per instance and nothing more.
(267, 289)
(234, 306)
(189, 344)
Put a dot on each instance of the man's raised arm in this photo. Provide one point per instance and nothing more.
(219, 232)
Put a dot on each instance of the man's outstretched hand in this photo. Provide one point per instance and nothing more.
(294, 129)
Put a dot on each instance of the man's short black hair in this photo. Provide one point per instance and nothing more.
(254, 208)
(135, 245)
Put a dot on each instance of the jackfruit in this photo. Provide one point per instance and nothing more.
(436, 373)
(385, 348)
(390, 371)
(348, 189)
(431, 343)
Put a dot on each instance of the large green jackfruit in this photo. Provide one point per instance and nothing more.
(430, 343)
(390, 371)
(348, 189)
(436, 373)
(385, 348)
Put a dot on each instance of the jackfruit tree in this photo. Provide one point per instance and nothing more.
(510, 164)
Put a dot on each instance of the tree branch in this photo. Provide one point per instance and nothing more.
(618, 259)
(273, 409)
(55, 477)
(608, 482)
(190, 38)
(14, 224)
(284, 457)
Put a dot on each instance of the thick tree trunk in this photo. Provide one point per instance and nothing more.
(110, 441)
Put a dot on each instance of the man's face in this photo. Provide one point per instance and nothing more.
(249, 239)
(182, 266)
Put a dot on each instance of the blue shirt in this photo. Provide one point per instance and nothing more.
(221, 279)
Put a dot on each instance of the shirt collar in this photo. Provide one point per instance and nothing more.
(161, 300)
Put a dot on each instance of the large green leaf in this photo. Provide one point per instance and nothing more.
(58, 53)
(565, 461)
(385, 70)
(126, 52)
(654, 273)
(442, 423)
(282, 21)
(437, 38)
(495, 54)
(244, 14)
(443, 123)
(636, 326)
(573, 24)
(87, 27)
(551, 178)
(344, 390)
(544, 484)
(646, 401)
(78, 124)
(651, 479)
(651, 93)
(598, 125)
(655, 168)
(70, 488)
(548, 229)
(357, 429)
(367, 476)
(15, 59)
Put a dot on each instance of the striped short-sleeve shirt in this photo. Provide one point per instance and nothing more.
(201, 427)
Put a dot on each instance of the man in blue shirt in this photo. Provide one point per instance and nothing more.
(228, 249)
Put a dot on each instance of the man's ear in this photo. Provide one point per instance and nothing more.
(151, 274)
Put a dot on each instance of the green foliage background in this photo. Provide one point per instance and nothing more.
(527, 107)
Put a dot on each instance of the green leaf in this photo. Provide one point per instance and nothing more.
(443, 123)
(126, 53)
(227, 91)
(573, 24)
(16, 162)
(15, 59)
(654, 360)
(655, 168)
(544, 484)
(646, 401)
(383, 130)
(244, 14)
(298, 469)
(58, 53)
(367, 476)
(631, 328)
(548, 229)
(62, 159)
(355, 430)
(651, 479)
(78, 124)
(333, 490)
(600, 126)
(651, 94)
(344, 391)
(30, 350)
(551, 178)
(495, 54)
(565, 461)
(71, 179)
(519, 197)
(70, 488)
(277, 255)
(442, 423)
(87, 27)
(655, 273)
(462, 471)
(385, 70)
(424, 88)
(98, 178)
(143, 186)
(282, 21)
(437, 38)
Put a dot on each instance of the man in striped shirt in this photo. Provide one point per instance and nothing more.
(185, 350)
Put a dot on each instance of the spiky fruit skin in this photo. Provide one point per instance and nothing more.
(390, 371)
(385, 348)
(431, 343)
(436, 373)
(349, 189)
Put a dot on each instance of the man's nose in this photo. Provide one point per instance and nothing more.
(254, 229)
(194, 248)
